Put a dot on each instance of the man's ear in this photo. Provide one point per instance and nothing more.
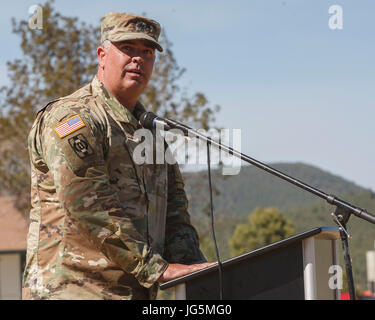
(102, 55)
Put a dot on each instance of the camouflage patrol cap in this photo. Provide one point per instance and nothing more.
(117, 26)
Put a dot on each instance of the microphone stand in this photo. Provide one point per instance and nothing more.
(340, 216)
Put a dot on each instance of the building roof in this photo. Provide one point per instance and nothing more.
(13, 226)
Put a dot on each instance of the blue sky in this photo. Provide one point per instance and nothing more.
(298, 90)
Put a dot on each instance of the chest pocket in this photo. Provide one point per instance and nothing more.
(124, 175)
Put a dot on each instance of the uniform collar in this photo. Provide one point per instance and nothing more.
(120, 112)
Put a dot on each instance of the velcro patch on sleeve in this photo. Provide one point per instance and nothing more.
(67, 127)
(81, 146)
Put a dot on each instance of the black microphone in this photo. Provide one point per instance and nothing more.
(150, 120)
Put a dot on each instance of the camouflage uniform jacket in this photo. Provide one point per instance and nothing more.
(101, 227)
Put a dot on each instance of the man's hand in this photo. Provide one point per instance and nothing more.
(176, 270)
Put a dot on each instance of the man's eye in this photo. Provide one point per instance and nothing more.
(126, 49)
(148, 51)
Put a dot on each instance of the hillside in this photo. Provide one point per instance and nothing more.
(240, 194)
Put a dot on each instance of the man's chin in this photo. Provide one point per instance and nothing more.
(136, 84)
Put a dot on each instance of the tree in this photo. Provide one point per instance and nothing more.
(265, 226)
(56, 61)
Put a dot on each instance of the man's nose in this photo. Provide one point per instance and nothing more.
(137, 58)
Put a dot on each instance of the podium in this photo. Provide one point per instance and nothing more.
(301, 267)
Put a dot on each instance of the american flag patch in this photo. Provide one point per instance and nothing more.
(69, 126)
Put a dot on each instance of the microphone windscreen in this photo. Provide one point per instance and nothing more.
(147, 120)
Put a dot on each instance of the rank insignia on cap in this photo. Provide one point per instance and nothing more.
(69, 126)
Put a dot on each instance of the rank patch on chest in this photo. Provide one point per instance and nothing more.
(81, 146)
(69, 126)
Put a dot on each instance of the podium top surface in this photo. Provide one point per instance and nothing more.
(323, 233)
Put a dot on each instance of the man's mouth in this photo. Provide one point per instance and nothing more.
(133, 71)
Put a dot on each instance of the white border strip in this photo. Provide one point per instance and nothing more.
(309, 275)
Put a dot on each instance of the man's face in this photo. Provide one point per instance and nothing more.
(127, 66)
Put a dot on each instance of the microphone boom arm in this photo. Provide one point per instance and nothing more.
(331, 199)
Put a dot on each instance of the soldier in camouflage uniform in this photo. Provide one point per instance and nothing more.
(102, 227)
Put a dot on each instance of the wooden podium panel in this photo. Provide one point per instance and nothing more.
(295, 268)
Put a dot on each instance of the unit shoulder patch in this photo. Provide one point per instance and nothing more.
(81, 146)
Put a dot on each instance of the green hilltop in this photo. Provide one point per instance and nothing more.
(253, 187)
